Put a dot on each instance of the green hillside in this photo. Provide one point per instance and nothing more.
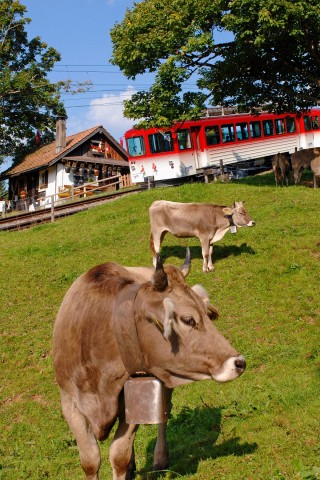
(265, 425)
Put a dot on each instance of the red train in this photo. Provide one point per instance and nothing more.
(237, 140)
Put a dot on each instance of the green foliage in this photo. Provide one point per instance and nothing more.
(273, 59)
(28, 101)
(265, 286)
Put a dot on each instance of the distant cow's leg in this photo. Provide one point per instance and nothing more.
(315, 182)
(161, 455)
(87, 444)
(297, 175)
(205, 253)
(157, 238)
(210, 264)
(121, 451)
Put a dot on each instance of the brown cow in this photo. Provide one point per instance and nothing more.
(110, 326)
(315, 167)
(206, 221)
(302, 159)
(281, 168)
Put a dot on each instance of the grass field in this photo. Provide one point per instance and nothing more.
(263, 426)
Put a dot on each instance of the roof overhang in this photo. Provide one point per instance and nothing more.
(97, 160)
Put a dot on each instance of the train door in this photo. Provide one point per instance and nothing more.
(309, 135)
(196, 144)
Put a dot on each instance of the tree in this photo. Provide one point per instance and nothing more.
(28, 101)
(272, 59)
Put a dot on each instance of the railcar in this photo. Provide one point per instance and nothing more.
(190, 149)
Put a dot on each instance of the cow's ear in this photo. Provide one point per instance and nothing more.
(212, 312)
(227, 211)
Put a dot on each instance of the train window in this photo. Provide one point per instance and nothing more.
(315, 122)
(255, 129)
(280, 126)
(242, 131)
(307, 122)
(136, 146)
(290, 123)
(184, 140)
(212, 135)
(227, 133)
(160, 142)
(267, 127)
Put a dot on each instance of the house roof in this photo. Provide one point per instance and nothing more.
(46, 155)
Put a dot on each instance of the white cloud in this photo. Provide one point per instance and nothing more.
(107, 111)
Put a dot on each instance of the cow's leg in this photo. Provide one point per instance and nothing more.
(121, 451)
(210, 264)
(87, 444)
(161, 454)
(157, 239)
(298, 175)
(205, 253)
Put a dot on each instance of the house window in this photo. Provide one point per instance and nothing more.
(43, 179)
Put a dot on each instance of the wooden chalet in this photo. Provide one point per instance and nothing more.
(69, 161)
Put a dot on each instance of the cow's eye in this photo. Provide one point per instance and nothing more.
(190, 321)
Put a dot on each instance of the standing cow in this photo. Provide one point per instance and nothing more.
(110, 326)
(315, 167)
(281, 168)
(302, 159)
(206, 221)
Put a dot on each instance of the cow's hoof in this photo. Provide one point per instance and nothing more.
(158, 467)
(131, 470)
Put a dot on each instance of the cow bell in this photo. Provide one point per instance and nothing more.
(144, 399)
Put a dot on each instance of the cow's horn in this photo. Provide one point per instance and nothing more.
(185, 269)
(159, 280)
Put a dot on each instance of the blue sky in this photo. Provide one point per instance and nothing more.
(79, 30)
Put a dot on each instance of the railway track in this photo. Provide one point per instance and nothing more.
(30, 219)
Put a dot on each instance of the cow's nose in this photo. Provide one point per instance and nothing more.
(240, 364)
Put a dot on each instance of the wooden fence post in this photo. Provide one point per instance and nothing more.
(52, 208)
(221, 170)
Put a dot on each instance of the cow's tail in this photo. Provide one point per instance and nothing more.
(153, 250)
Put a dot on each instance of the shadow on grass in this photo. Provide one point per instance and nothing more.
(191, 438)
(267, 179)
(219, 252)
